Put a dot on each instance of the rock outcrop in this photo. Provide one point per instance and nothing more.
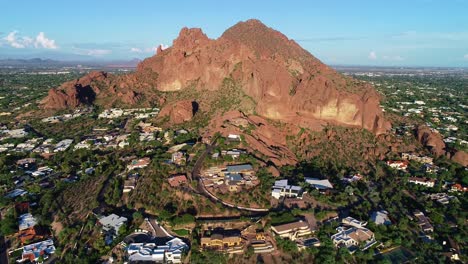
(460, 157)
(260, 137)
(286, 82)
(431, 139)
(180, 112)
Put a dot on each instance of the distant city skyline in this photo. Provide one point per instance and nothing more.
(380, 33)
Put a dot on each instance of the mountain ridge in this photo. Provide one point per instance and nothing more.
(286, 82)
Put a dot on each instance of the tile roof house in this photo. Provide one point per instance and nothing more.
(292, 230)
(139, 164)
(221, 240)
(32, 234)
(352, 237)
(177, 180)
(398, 164)
(422, 181)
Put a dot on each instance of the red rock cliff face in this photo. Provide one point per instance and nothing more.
(286, 82)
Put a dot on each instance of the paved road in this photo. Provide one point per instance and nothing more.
(201, 187)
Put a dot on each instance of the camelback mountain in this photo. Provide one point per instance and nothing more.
(285, 82)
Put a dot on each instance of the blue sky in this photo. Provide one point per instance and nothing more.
(378, 32)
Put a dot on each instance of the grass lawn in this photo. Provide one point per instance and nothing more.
(181, 232)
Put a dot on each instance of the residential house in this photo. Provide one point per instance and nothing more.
(423, 159)
(221, 240)
(245, 169)
(423, 221)
(398, 164)
(283, 189)
(33, 252)
(350, 221)
(139, 163)
(26, 221)
(458, 188)
(177, 180)
(422, 181)
(352, 237)
(292, 230)
(15, 193)
(307, 243)
(233, 180)
(319, 184)
(178, 158)
(171, 252)
(32, 234)
(129, 185)
(380, 218)
(26, 164)
(233, 137)
(111, 225)
(63, 145)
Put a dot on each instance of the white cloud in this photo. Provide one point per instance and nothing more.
(15, 42)
(135, 50)
(465, 57)
(44, 42)
(21, 42)
(372, 55)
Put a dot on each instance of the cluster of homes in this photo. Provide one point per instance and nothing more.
(32, 240)
(65, 117)
(34, 144)
(232, 177)
(137, 113)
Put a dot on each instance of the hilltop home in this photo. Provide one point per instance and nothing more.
(221, 240)
(398, 164)
(32, 233)
(319, 184)
(178, 158)
(422, 181)
(380, 218)
(292, 230)
(282, 189)
(177, 180)
(34, 251)
(245, 169)
(111, 225)
(26, 221)
(129, 185)
(423, 221)
(352, 237)
(171, 252)
(139, 164)
(350, 221)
